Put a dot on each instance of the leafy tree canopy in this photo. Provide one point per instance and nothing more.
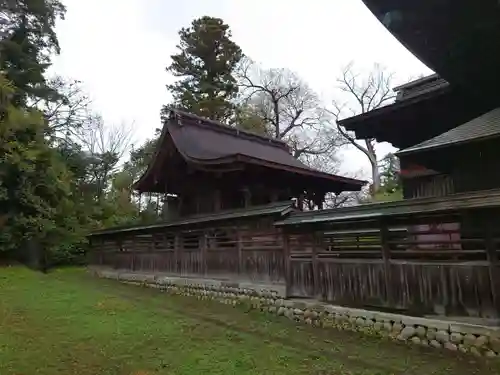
(205, 64)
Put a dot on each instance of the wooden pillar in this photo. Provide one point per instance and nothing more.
(287, 261)
(203, 248)
(492, 257)
(177, 249)
(386, 257)
(247, 194)
(315, 269)
(217, 200)
(300, 202)
(239, 249)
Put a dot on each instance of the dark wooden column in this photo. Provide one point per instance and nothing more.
(286, 260)
(239, 249)
(217, 200)
(316, 241)
(386, 258)
(492, 256)
(177, 249)
(247, 195)
(203, 249)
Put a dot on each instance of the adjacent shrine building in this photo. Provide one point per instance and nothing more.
(436, 251)
(224, 188)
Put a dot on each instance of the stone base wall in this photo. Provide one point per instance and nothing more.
(454, 336)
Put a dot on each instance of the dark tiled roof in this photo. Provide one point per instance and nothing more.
(208, 141)
(277, 208)
(376, 211)
(203, 141)
(420, 87)
(482, 127)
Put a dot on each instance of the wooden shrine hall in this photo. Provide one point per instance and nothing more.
(436, 251)
(224, 188)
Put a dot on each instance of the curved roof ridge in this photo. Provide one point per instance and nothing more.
(179, 116)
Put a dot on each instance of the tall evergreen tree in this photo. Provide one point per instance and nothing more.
(205, 65)
(27, 41)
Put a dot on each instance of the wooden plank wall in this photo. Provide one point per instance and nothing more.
(426, 265)
(250, 250)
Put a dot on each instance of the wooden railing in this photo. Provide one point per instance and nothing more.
(427, 265)
(229, 252)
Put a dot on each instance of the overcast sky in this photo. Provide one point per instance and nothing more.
(120, 48)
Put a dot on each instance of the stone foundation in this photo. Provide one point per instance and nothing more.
(467, 338)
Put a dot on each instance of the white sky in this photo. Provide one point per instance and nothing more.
(120, 48)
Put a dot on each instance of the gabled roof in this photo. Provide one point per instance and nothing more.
(204, 142)
(480, 128)
(424, 109)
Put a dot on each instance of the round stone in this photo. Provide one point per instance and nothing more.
(309, 321)
(378, 326)
(490, 354)
(388, 326)
(369, 322)
(450, 346)
(408, 332)
(495, 344)
(481, 342)
(281, 311)
(469, 339)
(298, 312)
(442, 336)
(463, 348)
(360, 322)
(435, 344)
(431, 334)
(456, 337)
(421, 331)
(424, 342)
(397, 327)
(416, 340)
(475, 351)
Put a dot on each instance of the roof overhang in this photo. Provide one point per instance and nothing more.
(403, 208)
(172, 133)
(458, 39)
(414, 120)
(277, 209)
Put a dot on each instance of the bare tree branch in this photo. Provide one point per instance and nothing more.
(363, 95)
(290, 108)
(98, 138)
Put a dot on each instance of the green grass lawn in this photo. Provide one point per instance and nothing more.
(68, 322)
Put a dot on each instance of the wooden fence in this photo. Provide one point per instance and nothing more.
(250, 252)
(435, 264)
(419, 257)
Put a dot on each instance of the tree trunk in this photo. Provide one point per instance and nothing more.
(375, 178)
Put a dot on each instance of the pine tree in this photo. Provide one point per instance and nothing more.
(205, 65)
(27, 42)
